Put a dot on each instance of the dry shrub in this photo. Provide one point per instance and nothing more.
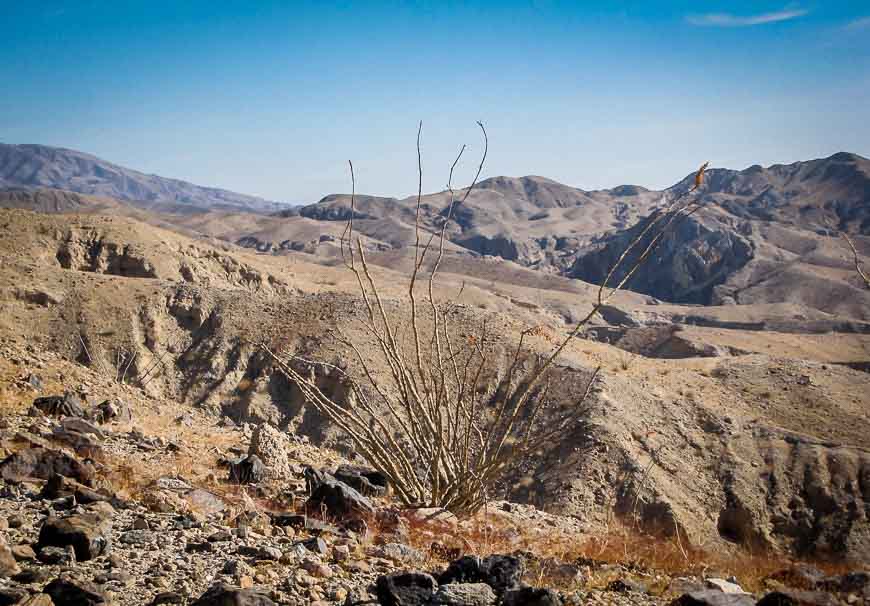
(448, 421)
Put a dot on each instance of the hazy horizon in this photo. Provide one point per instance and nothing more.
(273, 100)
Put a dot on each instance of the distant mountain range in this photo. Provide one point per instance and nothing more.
(31, 167)
(763, 235)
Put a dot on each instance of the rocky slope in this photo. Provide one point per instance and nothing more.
(31, 167)
(778, 438)
(110, 496)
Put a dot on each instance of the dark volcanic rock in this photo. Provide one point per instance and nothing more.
(338, 499)
(405, 589)
(88, 534)
(501, 572)
(68, 592)
(247, 470)
(798, 598)
(367, 482)
(67, 405)
(43, 464)
(227, 595)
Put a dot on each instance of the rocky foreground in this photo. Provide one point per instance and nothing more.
(96, 508)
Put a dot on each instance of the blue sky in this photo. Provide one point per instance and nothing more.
(272, 98)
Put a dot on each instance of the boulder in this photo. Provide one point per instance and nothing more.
(713, 597)
(367, 482)
(464, 594)
(69, 592)
(501, 572)
(40, 599)
(405, 589)
(8, 564)
(338, 500)
(789, 597)
(227, 595)
(67, 405)
(272, 447)
(247, 470)
(531, 596)
(43, 463)
(88, 534)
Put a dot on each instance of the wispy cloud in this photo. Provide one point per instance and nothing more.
(860, 23)
(731, 20)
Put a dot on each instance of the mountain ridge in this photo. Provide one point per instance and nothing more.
(30, 166)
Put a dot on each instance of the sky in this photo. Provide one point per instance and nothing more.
(272, 98)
